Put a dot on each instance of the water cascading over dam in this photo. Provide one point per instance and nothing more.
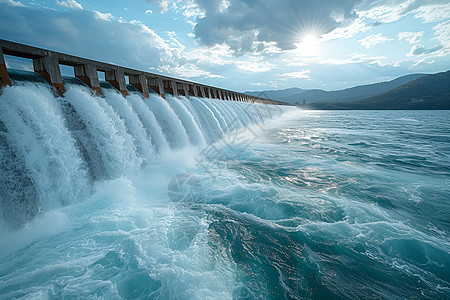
(53, 148)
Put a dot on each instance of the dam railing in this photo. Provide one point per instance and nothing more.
(47, 63)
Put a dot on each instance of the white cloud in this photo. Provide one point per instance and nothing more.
(103, 16)
(433, 13)
(302, 74)
(420, 50)
(90, 34)
(442, 34)
(163, 6)
(69, 4)
(347, 30)
(191, 10)
(423, 61)
(254, 66)
(354, 58)
(258, 84)
(411, 37)
(148, 12)
(218, 55)
(383, 11)
(12, 3)
(374, 39)
(191, 71)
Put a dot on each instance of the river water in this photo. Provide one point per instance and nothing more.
(205, 199)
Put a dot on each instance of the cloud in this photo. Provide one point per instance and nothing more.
(301, 74)
(421, 50)
(347, 30)
(240, 23)
(442, 34)
(373, 40)
(411, 37)
(163, 5)
(12, 3)
(69, 4)
(192, 71)
(90, 34)
(254, 66)
(148, 12)
(433, 12)
(387, 11)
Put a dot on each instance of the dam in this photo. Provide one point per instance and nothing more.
(46, 63)
(60, 135)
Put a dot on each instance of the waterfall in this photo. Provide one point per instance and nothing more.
(53, 149)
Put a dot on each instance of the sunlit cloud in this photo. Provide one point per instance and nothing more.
(421, 50)
(347, 30)
(442, 34)
(433, 13)
(69, 4)
(254, 66)
(383, 11)
(191, 71)
(374, 39)
(424, 61)
(302, 74)
(411, 37)
(12, 3)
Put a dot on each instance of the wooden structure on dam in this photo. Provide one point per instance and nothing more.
(46, 63)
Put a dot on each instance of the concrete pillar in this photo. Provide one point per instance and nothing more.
(194, 89)
(4, 77)
(173, 87)
(214, 91)
(117, 79)
(219, 93)
(202, 91)
(48, 67)
(88, 74)
(157, 85)
(183, 89)
(209, 94)
(140, 82)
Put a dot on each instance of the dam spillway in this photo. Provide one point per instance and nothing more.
(58, 139)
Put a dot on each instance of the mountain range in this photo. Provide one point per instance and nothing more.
(415, 91)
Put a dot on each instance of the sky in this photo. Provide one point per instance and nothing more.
(242, 45)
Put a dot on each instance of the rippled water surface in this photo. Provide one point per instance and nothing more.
(310, 205)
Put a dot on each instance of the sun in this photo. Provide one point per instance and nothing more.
(309, 44)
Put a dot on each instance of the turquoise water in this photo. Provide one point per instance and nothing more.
(306, 205)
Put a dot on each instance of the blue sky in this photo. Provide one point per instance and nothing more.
(243, 44)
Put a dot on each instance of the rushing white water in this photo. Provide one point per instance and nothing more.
(63, 145)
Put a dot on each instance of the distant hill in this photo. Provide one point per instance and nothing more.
(347, 95)
(278, 95)
(427, 92)
(351, 94)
